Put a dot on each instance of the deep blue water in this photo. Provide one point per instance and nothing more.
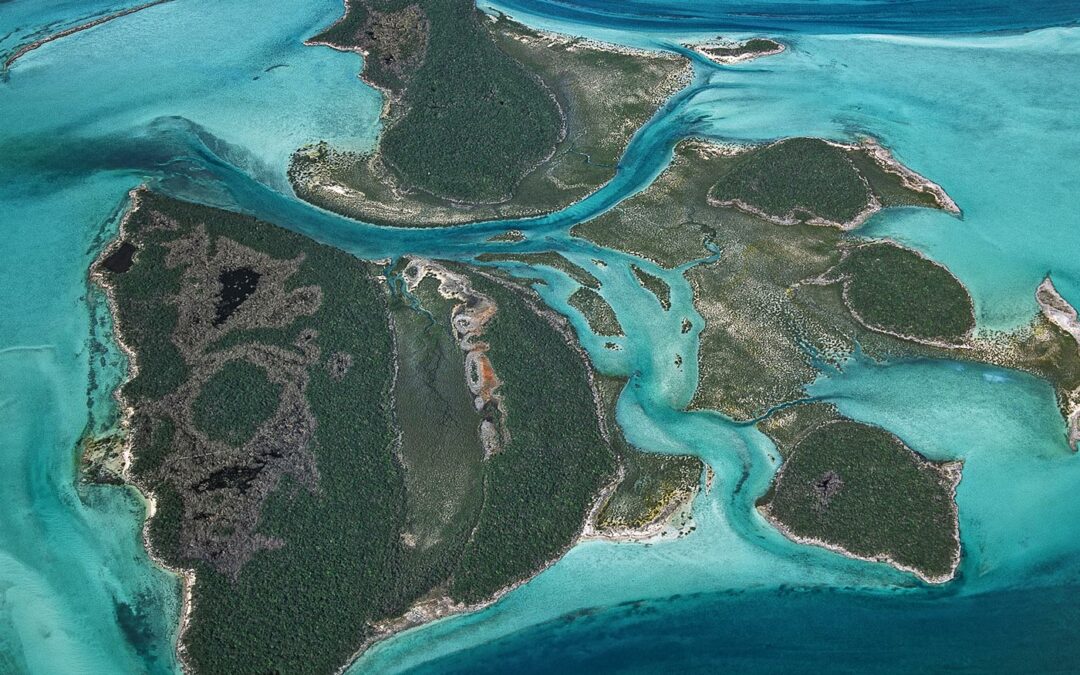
(915, 17)
(969, 94)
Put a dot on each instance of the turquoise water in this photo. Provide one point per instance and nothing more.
(172, 95)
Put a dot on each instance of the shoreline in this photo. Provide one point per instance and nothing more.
(704, 48)
(27, 48)
(951, 471)
(126, 426)
(879, 153)
(1063, 315)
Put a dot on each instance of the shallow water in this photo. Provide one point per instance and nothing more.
(172, 96)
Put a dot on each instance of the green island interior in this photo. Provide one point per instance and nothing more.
(306, 527)
(507, 122)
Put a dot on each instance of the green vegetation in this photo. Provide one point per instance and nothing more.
(556, 448)
(652, 486)
(752, 46)
(234, 402)
(440, 449)
(516, 123)
(898, 290)
(773, 299)
(597, 311)
(888, 186)
(301, 605)
(654, 285)
(470, 121)
(859, 487)
(341, 476)
(795, 179)
(549, 259)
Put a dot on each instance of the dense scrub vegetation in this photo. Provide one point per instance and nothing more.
(797, 179)
(898, 290)
(481, 143)
(301, 606)
(556, 448)
(601, 317)
(235, 401)
(299, 543)
(859, 487)
(470, 120)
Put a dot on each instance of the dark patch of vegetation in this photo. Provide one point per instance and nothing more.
(549, 259)
(895, 289)
(751, 46)
(859, 487)
(234, 402)
(119, 261)
(597, 311)
(797, 178)
(654, 285)
(237, 285)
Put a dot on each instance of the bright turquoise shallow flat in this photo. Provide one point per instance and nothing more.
(173, 95)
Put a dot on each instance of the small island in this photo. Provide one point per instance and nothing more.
(861, 491)
(728, 53)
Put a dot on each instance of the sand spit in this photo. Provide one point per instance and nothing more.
(1063, 315)
(22, 51)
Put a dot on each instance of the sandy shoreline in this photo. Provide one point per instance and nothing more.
(1063, 315)
(126, 427)
(729, 60)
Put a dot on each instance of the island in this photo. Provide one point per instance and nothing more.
(859, 490)
(729, 52)
(788, 291)
(517, 123)
(333, 451)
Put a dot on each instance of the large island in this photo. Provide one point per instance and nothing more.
(326, 445)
